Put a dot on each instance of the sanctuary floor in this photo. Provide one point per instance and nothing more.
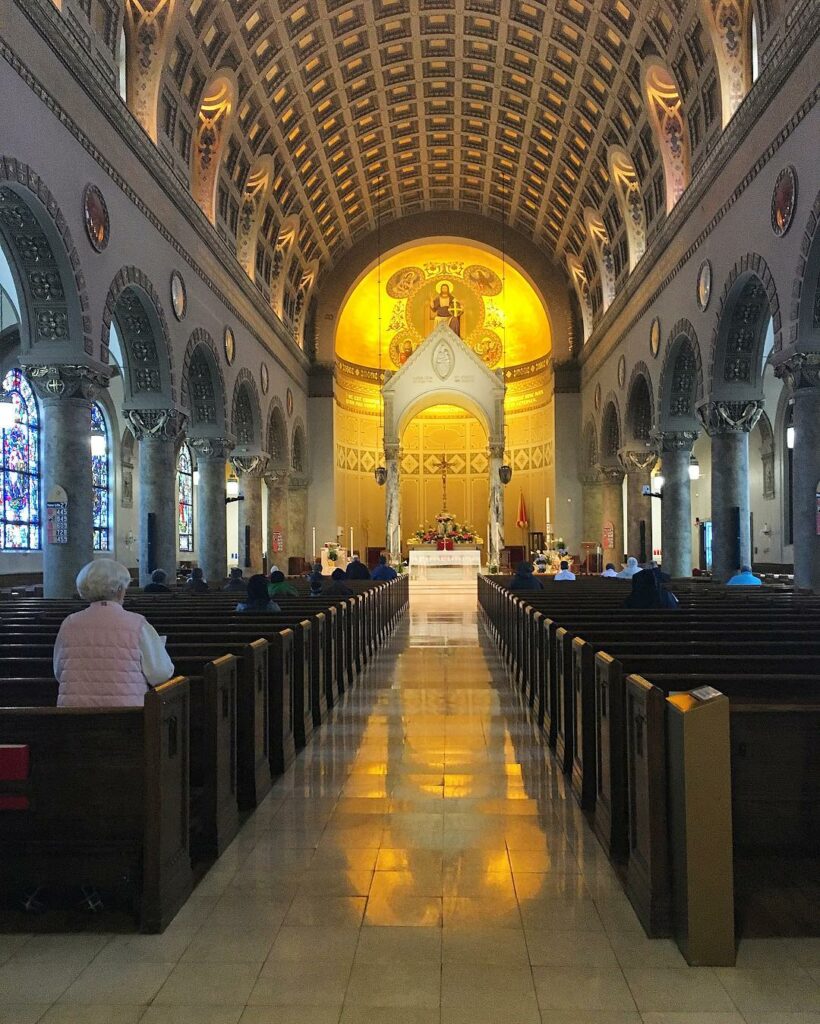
(422, 863)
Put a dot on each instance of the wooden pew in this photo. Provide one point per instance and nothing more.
(104, 801)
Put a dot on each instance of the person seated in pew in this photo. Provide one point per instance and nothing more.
(540, 562)
(564, 573)
(157, 584)
(383, 571)
(524, 578)
(357, 570)
(316, 584)
(337, 586)
(630, 569)
(744, 578)
(236, 582)
(105, 656)
(278, 586)
(609, 573)
(197, 584)
(257, 598)
(648, 591)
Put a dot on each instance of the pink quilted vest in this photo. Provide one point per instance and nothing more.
(97, 658)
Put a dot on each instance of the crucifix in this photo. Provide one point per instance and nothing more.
(443, 466)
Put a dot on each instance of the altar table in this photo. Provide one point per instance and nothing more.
(459, 564)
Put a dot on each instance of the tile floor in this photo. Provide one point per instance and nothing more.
(422, 863)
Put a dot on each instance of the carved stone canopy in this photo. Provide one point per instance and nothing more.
(726, 417)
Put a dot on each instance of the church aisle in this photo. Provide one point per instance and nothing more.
(422, 863)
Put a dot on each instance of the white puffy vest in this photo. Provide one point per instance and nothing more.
(97, 658)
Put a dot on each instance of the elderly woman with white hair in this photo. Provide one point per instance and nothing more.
(105, 656)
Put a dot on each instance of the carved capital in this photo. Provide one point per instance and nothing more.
(298, 483)
(637, 460)
(675, 440)
(162, 424)
(250, 465)
(392, 451)
(800, 371)
(612, 475)
(724, 417)
(66, 380)
(495, 450)
(591, 476)
(212, 447)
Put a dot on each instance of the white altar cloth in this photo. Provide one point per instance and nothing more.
(444, 565)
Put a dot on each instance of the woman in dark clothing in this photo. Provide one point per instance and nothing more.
(524, 579)
(648, 591)
(257, 597)
(337, 586)
(196, 582)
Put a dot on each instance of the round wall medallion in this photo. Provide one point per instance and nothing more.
(597, 398)
(179, 296)
(264, 378)
(230, 346)
(289, 402)
(784, 200)
(655, 337)
(621, 371)
(704, 284)
(95, 216)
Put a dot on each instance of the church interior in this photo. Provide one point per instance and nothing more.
(347, 332)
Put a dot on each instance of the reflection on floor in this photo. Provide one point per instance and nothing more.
(422, 863)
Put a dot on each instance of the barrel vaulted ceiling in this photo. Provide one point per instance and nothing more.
(578, 122)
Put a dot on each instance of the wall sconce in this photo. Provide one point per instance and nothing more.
(232, 487)
(380, 473)
(196, 478)
(505, 474)
(790, 437)
(694, 468)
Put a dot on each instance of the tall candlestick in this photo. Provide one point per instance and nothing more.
(351, 542)
(314, 543)
(547, 520)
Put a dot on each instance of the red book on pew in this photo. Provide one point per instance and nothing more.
(14, 767)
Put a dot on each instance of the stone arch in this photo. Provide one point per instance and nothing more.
(277, 438)
(214, 122)
(611, 432)
(246, 416)
(804, 327)
(581, 285)
(627, 187)
(282, 255)
(748, 299)
(45, 265)
(306, 286)
(203, 386)
(729, 24)
(251, 212)
(298, 448)
(134, 304)
(640, 406)
(681, 387)
(148, 29)
(664, 105)
(601, 245)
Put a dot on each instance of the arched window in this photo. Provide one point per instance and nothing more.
(101, 478)
(185, 499)
(20, 466)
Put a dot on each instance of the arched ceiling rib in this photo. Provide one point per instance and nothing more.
(499, 107)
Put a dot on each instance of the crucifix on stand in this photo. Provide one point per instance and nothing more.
(443, 466)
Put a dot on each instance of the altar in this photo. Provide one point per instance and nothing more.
(431, 564)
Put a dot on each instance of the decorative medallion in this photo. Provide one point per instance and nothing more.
(621, 371)
(95, 216)
(179, 296)
(704, 284)
(443, 360)
(597, 398)
(230, 346)
(289, 402)
(264, 378)
(655, 337)
(784, 200)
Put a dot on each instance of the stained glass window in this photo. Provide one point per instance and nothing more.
(185, 499)
(101, 475)
(20, 467)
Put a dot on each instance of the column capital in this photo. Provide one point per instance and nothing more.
(675, 440)
(730, 417)
(495, 450)
(298, 483)
(212, 447)
(66, 380)
(800, 371)
(637, 460)
(392, 450)
(276, 477)
(591, 476)
(249, 463)
(612, 474)
(162, 424)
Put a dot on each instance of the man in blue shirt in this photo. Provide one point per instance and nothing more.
(744, 578)
(383, 571)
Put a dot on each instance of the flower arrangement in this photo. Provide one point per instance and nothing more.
(456, 533)
(332, 554)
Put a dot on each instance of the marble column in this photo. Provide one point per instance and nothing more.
(298, 546)
(392, 455)
(157, 431)
(592, 509)
(801, 374)
(676, 504)
(495, 518)
(612, 512)
(637, 463)
(277, 539)
(212, 526)
(250, 471)
(728, 424)
(66, 393)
